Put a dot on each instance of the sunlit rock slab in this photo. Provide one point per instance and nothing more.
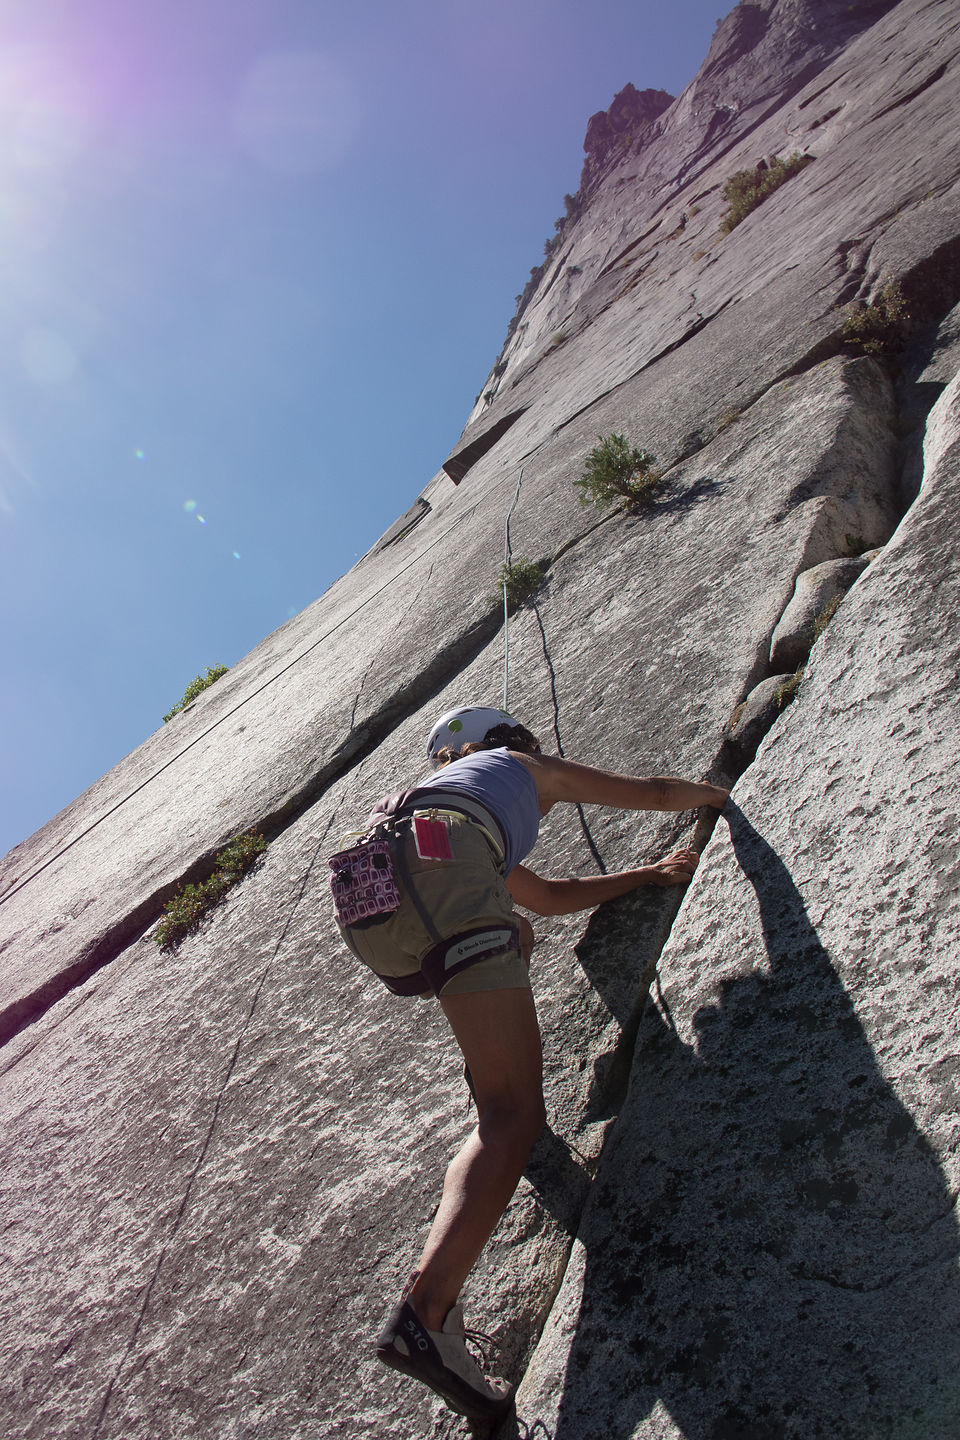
(771, 1245)
(245, 1136)
(807, 474)
(219, 1162)
(752, 308)
(881, 195)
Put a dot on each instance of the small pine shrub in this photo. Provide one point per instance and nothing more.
(186, 909)
(195, 688)
(522, 579)
(746, 189)
(875, 329)
(614, 471)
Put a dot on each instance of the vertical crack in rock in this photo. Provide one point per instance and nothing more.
(356, 699)
(598, 858)
(359, 744)
(913, 403)
(89, 1126)
(207, 1140)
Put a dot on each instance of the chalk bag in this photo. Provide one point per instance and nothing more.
(363, 883)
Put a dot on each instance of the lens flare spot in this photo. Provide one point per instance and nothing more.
(202, 519)
(139, 455)
(291, 611)
(189, 506)
(236, 554)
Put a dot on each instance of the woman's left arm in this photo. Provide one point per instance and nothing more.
(563, 897)
(557, 778)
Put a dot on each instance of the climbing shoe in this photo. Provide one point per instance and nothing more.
(440, 1359)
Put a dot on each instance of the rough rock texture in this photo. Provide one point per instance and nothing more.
(945, 360)
(780, 1193)
(219, 1161)
(815, 596)
(752, 719)
(632, 112)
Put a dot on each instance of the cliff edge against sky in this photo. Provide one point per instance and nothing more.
(741, 1220)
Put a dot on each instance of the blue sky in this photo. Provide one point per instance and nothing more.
(256, 260)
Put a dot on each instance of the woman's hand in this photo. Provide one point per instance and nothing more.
(564, 897)
(675, 869)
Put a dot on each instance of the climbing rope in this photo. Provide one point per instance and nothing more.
(507, 560)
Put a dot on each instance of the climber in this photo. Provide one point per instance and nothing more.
(443, 924)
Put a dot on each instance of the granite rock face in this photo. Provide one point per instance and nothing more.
(219, 1160)
(752, 719)
(815, 597)
(780, 1192)
(633, 111)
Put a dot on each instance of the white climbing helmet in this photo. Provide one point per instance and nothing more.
(466, 725)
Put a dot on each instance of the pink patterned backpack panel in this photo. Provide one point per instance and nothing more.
(362, 882)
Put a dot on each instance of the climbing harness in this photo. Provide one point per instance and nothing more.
(449, 957)
(365, 889)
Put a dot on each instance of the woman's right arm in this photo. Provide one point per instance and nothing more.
(564, 897)
(558, 779)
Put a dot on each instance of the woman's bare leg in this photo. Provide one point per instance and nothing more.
(498, 1033)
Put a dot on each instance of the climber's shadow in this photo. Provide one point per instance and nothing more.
(771, 1244)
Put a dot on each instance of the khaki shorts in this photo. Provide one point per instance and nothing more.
(464, 893)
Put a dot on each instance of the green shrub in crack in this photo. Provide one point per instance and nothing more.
(789, 690)
(823, 619)
(614, 471)
(746, 189)
(195, 688)
(875, 329)
(522, 578)
(186, 909)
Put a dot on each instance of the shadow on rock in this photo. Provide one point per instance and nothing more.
(771, 1244)
(561, 1183)
(674, 498)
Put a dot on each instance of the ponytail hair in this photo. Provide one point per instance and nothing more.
(499, 737)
